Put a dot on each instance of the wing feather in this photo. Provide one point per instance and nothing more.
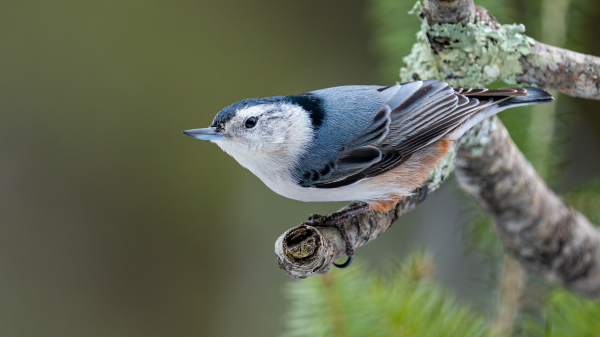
(414, 115)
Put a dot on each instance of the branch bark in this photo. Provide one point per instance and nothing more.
(454, 11)
(305, 250)
(536, 226)
(571, 73)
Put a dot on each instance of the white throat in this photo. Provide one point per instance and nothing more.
(273, 149)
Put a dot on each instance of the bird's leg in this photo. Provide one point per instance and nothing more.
(324, 220)
(337, 219)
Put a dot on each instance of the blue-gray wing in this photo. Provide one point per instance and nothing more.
(348, 141)
(412, 116)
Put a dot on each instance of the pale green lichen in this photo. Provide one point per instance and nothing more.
(476, 139)
(476, 54)
(544, 60)
(441, 170)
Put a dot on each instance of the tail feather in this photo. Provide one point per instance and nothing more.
(534, 96)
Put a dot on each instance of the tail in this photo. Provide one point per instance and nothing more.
(534, 96)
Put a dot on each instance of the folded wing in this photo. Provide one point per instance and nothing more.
(414, 115)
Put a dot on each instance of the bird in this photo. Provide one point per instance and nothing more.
(367, 143)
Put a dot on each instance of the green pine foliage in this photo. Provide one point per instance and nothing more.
(408, 302)
(571, 315)
(354, 302)
(334, 304)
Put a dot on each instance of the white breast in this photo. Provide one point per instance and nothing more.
(376, 188)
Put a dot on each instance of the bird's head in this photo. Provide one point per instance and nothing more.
(262, 134)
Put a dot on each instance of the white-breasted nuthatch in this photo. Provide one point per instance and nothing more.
(370, 143)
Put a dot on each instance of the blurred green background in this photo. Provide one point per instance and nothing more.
(113, 223)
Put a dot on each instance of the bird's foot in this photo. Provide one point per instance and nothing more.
(331, 219)
(337, 219)
(349, 247)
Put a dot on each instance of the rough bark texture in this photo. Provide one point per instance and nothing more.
(572, 73)
(536, 226)
(305, 250)
(482, 14)
(448, 11)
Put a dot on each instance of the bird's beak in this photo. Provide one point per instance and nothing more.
(206, 134)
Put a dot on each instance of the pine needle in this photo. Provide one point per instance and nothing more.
(353, 303)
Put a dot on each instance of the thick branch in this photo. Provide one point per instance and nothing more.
(569, 72)
(536, 226)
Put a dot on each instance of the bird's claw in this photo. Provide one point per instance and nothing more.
(345, 264)
(349, 248)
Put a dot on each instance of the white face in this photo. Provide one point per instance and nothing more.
(268, 138)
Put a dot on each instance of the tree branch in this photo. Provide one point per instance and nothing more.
(571, 73)
(305, 250)
(536, 226)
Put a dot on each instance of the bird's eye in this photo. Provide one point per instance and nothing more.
(251, 122)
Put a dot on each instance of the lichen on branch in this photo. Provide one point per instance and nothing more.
(470, 55)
